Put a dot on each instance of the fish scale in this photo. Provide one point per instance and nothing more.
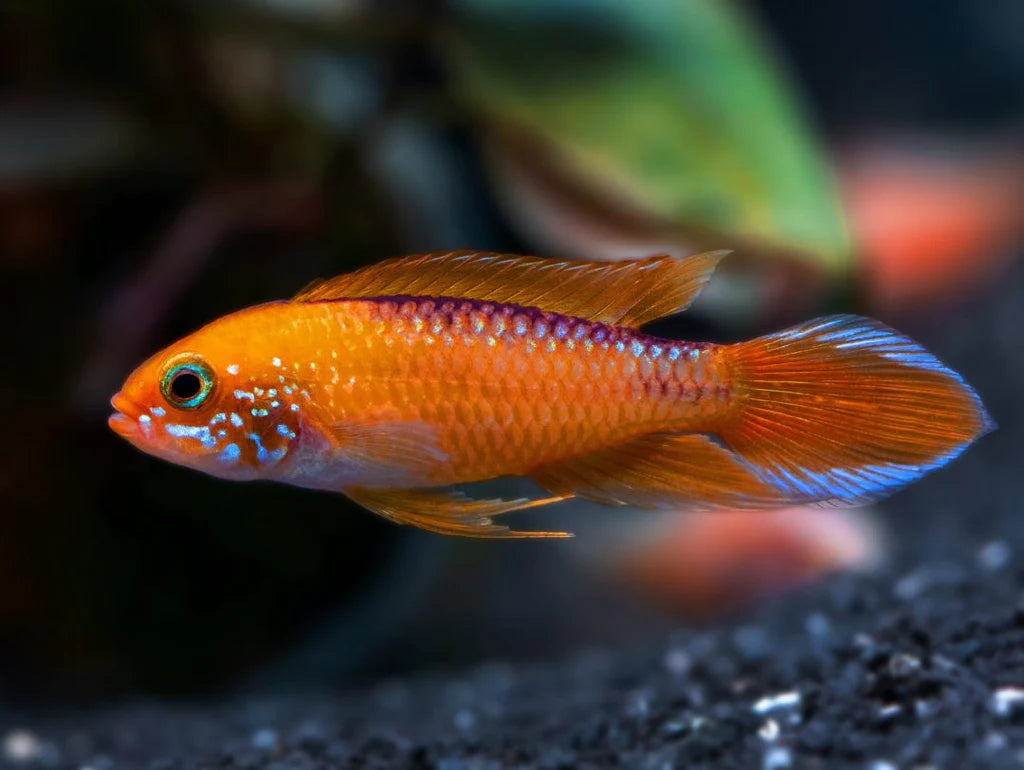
(498, 380)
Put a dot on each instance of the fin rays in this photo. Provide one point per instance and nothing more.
(450, 512)
(660, 470)
(628, 292)
(844, 410)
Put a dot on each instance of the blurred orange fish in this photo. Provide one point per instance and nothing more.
(396, 382)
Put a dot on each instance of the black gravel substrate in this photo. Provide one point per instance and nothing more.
(918, 666)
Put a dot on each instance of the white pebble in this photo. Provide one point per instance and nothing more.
(889, 710)
(1006, 700)
(777, 758)
(22, 746)
(769, 731)
(782, 700)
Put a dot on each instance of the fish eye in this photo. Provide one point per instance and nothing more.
(187, 384)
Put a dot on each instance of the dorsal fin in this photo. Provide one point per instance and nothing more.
(628, 292)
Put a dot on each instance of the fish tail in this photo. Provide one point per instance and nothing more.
(844, 410)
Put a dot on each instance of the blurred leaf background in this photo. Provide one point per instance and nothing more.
(164, 163)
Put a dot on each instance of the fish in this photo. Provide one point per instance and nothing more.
(400, 384)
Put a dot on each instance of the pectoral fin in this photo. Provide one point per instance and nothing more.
(382, 449)
(448, 512)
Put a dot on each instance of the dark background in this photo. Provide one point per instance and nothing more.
(144, 192)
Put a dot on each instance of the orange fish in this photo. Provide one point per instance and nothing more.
(396, 382)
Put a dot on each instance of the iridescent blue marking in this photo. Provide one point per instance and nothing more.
(288, 389)
(638, 348)
(580, 332)
(276, 362)
(272, 393)
(620, 346)
(258, 391)
(284, 430)
(274, 404)
(201, 432)
(520, 325)
(243, 395)
(540, 328)
(236, 420)
(674, 352)
(158, 411)
(262, 455)
(145, 419)
(219, 417)
(230, 454)
(655, 350)
(259, 412)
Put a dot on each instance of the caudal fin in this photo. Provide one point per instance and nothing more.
(844, 410)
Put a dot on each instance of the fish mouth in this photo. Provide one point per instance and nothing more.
(124, 420)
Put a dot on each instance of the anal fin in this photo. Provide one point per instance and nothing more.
(662, 470)
(448, 512)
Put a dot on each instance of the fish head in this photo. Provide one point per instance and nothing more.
(213, 404)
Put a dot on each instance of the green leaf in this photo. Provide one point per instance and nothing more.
(671, 107)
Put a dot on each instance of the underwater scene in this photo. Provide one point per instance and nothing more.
(512, 384)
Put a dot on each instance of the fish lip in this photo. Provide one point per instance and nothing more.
(124, 420)
(125, 405)
(123, 425)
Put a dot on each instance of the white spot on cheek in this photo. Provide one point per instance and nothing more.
(233, 369)
(276, 362)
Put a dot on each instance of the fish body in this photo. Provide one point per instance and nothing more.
(397, 382)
